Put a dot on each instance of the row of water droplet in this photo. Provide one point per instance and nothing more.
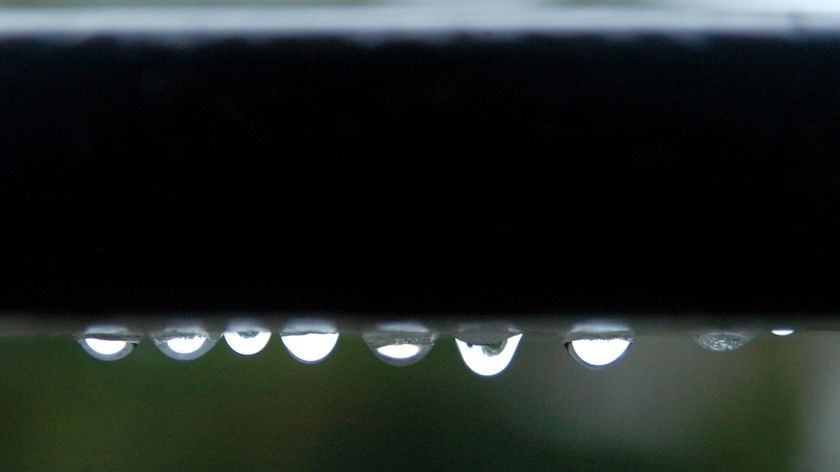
(595, 345)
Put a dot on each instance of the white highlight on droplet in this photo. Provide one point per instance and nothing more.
(186, 345)
(486, 362)
(400, 351)
(782, 331)
(599, 352)
(247, 343)
(106, 347)
(310, 347)
(400, 344)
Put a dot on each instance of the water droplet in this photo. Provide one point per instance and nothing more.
(598, 352)
(400, 344)
(599, 344)
(247, 343)
(108, 342)
(783, 331)
(310, 348)
(184, 344)
(488, 359)
(309, 340)
(721, 341)
(107, 349)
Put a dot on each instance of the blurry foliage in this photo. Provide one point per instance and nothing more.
(63, 410)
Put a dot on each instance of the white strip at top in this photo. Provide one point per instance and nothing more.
(457, 17)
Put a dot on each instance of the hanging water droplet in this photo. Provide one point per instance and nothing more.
(184, 344)
(598, 353)
(783, 331)
(400, 344)
(721, 341)
(599, 344)
(488, 359)
(108, 343)
(107, 349)
(309, 340)
(311, 347)
(248, 342)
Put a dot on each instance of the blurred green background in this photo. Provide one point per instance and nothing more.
(667, 405)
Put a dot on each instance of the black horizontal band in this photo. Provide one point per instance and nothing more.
(527, 171)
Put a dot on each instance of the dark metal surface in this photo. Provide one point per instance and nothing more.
(515, 173)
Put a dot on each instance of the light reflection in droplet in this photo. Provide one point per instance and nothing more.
(598, 352)
(184, 345)
(400, 351)
(782, 331)
(107, 349)
(400, 344)
(488, 360)
(402, 355)
(310, 347)
(247, 343)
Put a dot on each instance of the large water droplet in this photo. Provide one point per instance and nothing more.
(107, 349)
(488, 359)
(309, 340)
(599, 344)
(184, 344)
(108, 342)
(247, 343)
(400, 344)
(310, 348)
(721, 341)
(598, 352)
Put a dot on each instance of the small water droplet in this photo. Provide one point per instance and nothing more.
(310, 348)
(108, 342)
(598, 352)
(722, 341)
(184, 344)
(400, 344)
(488, 359)
(783, 331)
(247, 343)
